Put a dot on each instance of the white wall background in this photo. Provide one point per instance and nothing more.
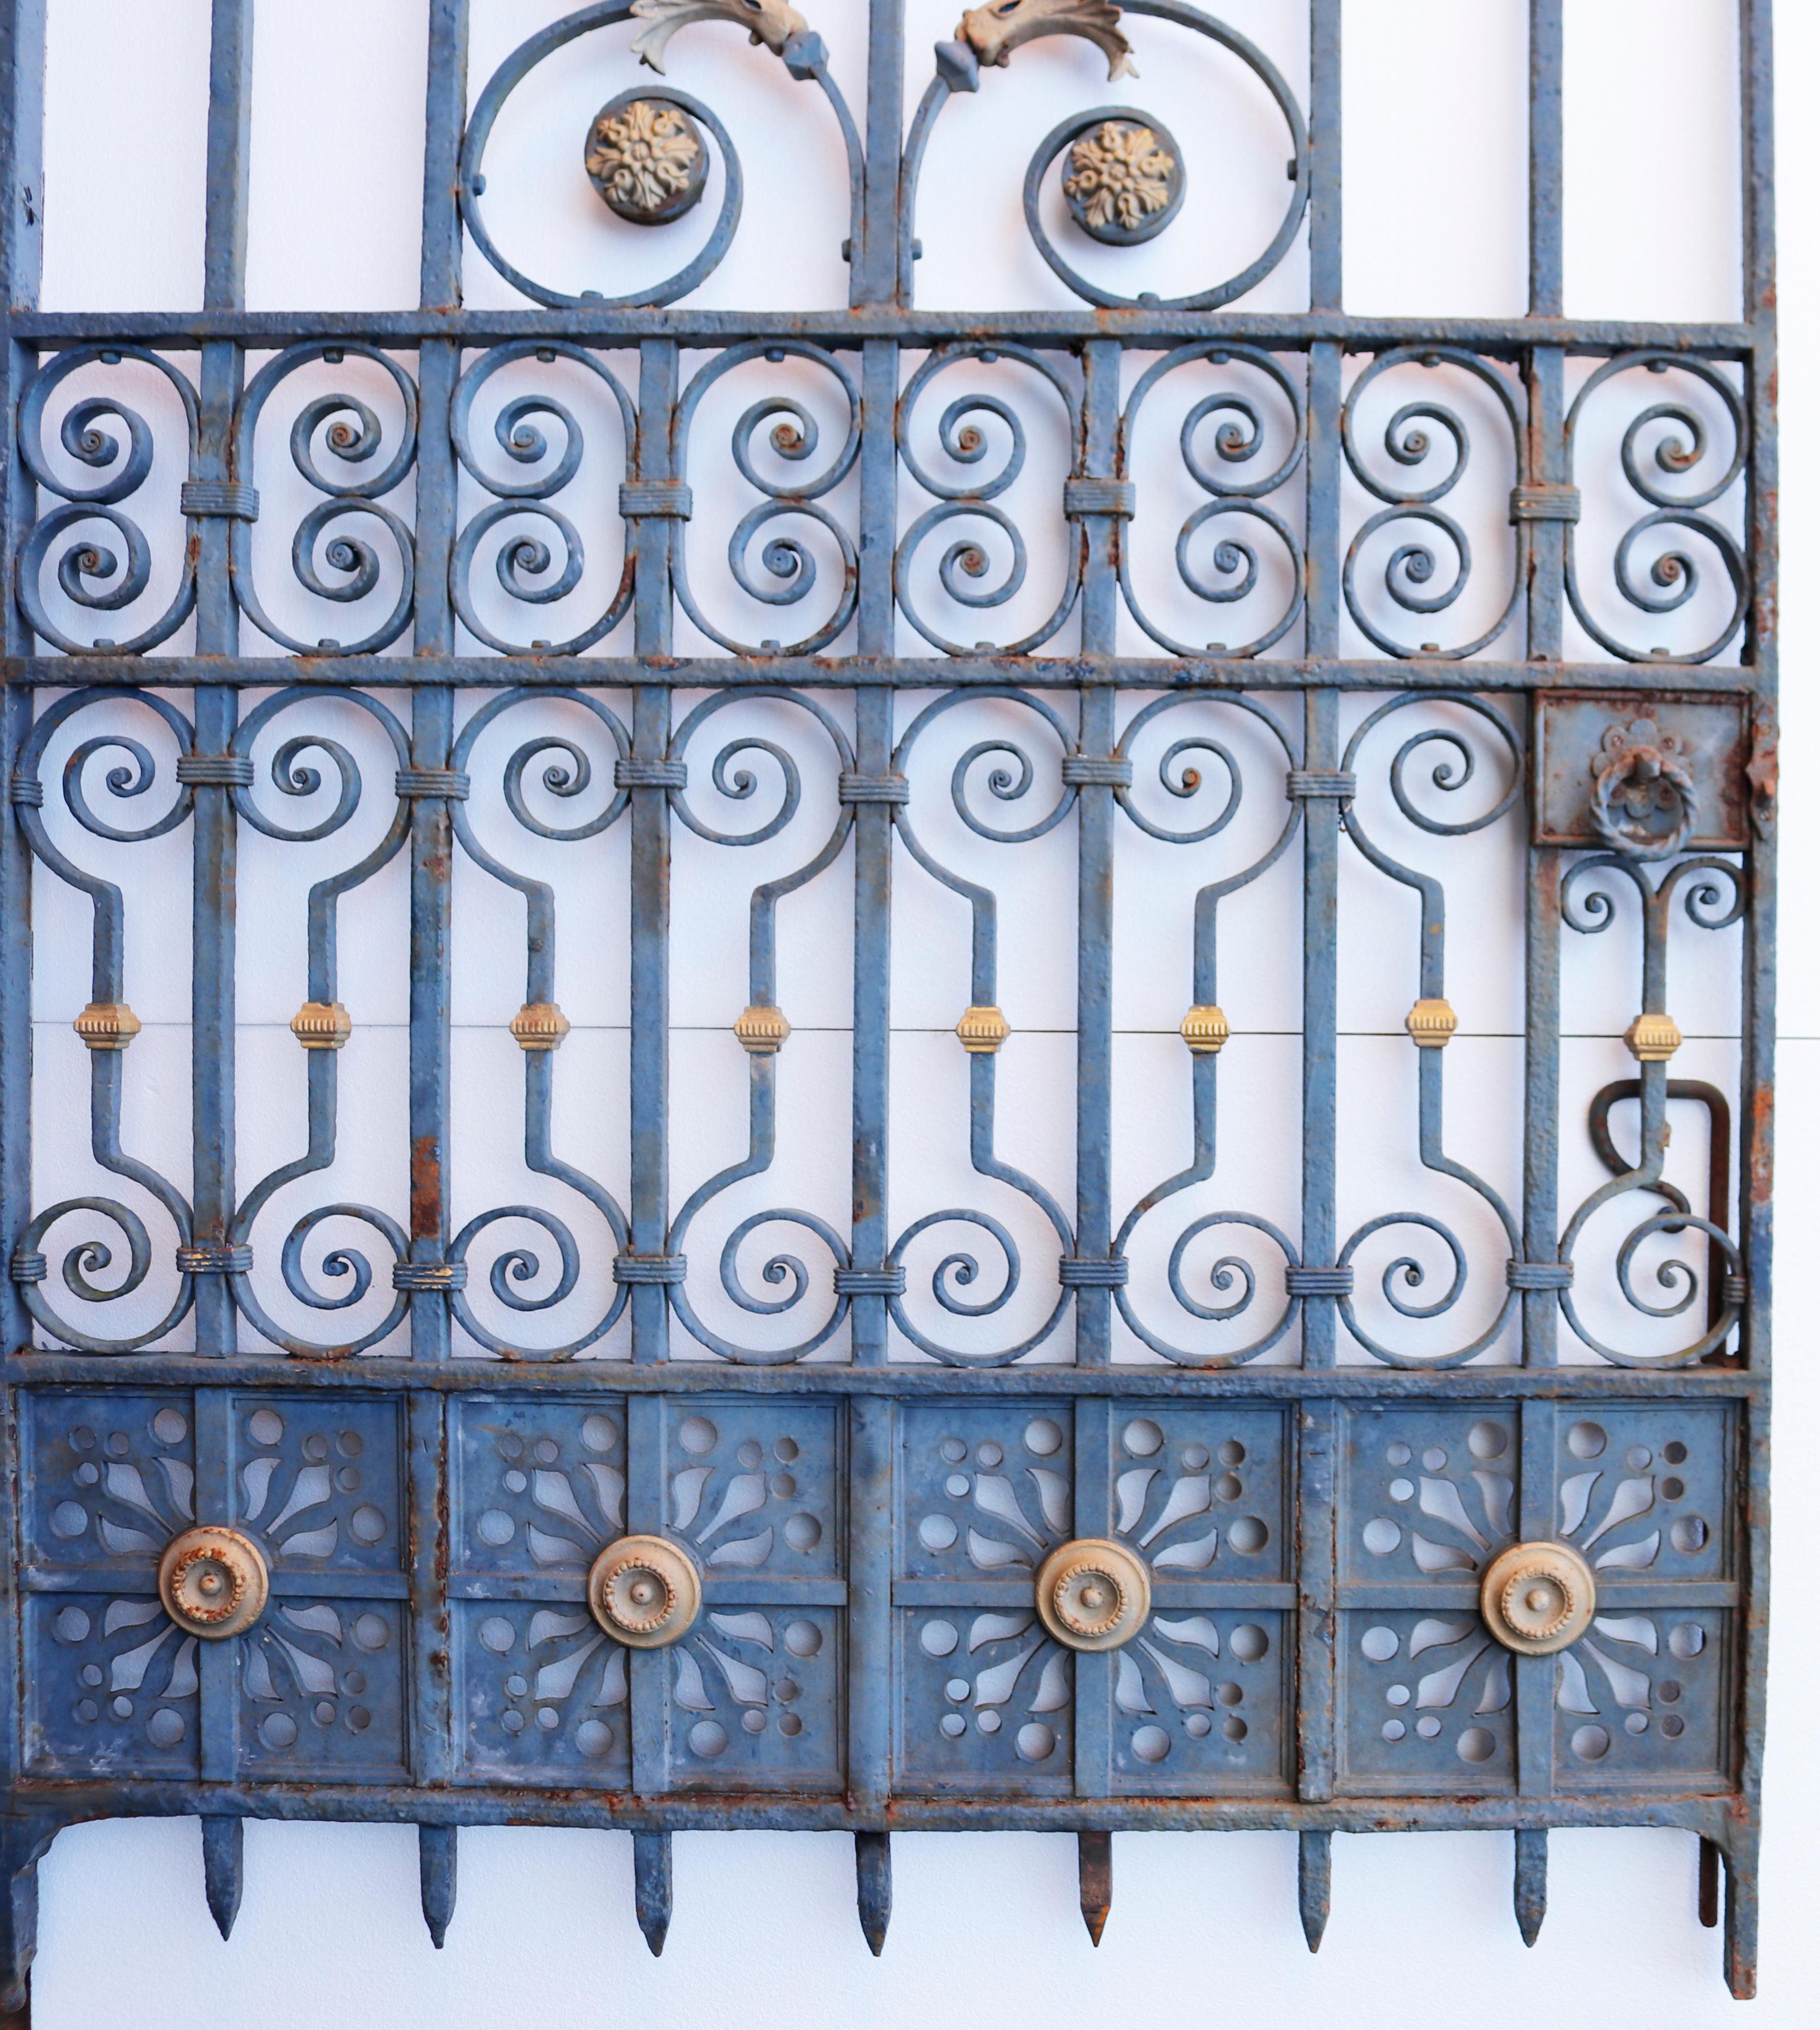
(986, 1929)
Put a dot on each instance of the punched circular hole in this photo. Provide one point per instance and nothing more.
(1586, 1441)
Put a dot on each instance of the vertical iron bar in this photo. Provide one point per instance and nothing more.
(658, 366)
(1094, 810)
(1092, 1768)
(217, 706)
(1756, 95)
(21, 266)
(431, 872)
(1534, 1676)
(1318, 1435)
(219, 1663)
(871, 1420)
(1548, 465)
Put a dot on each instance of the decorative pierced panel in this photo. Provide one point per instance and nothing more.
(1025, 1371)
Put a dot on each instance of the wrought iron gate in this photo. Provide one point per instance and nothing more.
(1284, 1536)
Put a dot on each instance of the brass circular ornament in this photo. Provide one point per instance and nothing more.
(1537, 1598)
(1122, 178)
(1093, 1593)
(644, 1591)
(213, 1582)
(647, 158)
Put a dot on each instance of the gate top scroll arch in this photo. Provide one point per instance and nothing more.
(778, 28)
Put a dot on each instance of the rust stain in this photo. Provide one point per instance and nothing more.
(425, 1188)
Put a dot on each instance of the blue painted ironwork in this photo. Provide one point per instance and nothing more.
(868, 1524)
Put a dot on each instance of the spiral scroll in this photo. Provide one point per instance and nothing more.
(100, 572)
(1678, 447)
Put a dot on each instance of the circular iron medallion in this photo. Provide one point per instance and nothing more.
(647, 158)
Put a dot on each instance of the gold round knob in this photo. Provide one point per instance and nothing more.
(213, 1582)
(644, 1591)
(1093, 1593)
(1537, 1598)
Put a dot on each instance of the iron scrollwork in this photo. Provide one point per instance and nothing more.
(344, 1477)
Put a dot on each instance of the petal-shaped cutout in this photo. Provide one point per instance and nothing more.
(1197, 1632)
(1194, 1554)
(182, 1483)
(313, 1543)
(990, 1554)
(1496, 1693)
(686, 1495)
(746, 1628)
(1052, 1491)
(119, 1540)
(310, 1489)
(690, 1691)
(1576, 1496)
(1192, 1495)
(1187, 1686)
(1572, 1694)
(1134, 1491)
(127, 1671)
(610, 1493)
(1052, 1688)
(994, 1687)
(746, 1493)
(547, 1626)
(1052, 1692)
(995, 1628)
(1629, 1687)
(743, 1550)
(1635, 1628)
(1496, 1490)
(745, 1681)
(1440, 1557)
(1630, 1557)
(1630, 1499)
(256, 1477)
(1129, 1694)
(320, 1620)
(1442, 1687)
(997, 1495)
(1433, 1634)
(129, 1614)
(612, 1691)
(314, 1675)
(1441, 1499)
(552, 1491)
(549, 1550)
(557, 1680)
(124, 1484)
(184, 1684)
(256, 1678)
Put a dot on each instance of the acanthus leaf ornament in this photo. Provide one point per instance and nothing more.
(992, 31)
(770, 22)
(647, 159)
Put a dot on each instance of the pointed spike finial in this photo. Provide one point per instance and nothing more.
(1529, 1890)
(651, 1887)
(872, 1864)
(1096, 1863)
(1314, 1885)
(436, 1868)
(223, 1869)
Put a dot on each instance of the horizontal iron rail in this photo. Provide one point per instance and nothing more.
(913, 1380)
(896, 673)
(1709, 1812)
(1507, 338)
